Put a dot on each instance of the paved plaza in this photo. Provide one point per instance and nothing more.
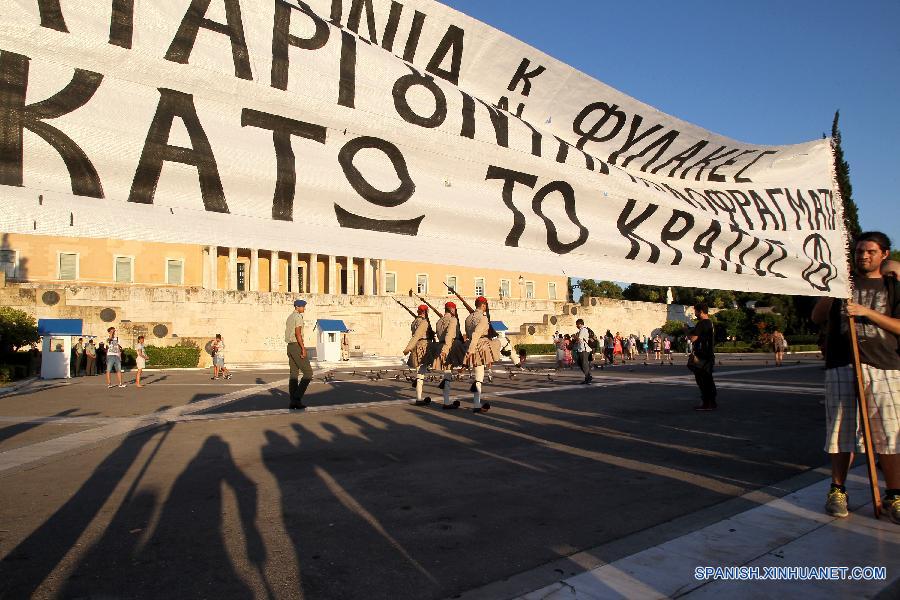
(192, 488)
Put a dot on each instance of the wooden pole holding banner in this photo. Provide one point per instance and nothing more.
(864, 418)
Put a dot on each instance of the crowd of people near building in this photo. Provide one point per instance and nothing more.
(616, 349)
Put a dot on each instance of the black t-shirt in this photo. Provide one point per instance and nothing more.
(877, 346)
(704, 331)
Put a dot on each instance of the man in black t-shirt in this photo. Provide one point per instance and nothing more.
(876, 310)
(702, 337)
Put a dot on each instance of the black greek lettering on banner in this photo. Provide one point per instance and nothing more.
(121, 24)
(737, 176)
(158, 150)
(568, 195)
(282, 39)
(282, 129)
(590, 135)
(525, 76)
(402, 87)
(627, 229)
(355, 15)
(180, 49)
(393, 22)
(633, 138)
(16, 116)
(821, 270)
(510, 178)
(703, 245)
(672, 233)
(368, 192)
(51, 15)
(452, 43)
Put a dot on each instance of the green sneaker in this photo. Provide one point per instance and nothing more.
(891, 506)
(836, 504)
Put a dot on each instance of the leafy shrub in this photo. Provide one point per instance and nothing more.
(532, 349)
(173, 356)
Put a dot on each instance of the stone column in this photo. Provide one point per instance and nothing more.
(296, 284)
(254, 270)
(274, 263)
(213, 267)
(382, 277)
(313, 273)
(231, 278)
(352, 287)
(332, 274)
(367, 276)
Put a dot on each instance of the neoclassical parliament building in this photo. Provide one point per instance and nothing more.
(102, 261)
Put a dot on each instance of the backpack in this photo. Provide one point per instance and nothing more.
(592, 339)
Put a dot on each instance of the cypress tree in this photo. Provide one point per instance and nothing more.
(851, 216)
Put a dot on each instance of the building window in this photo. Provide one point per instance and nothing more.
(529, 289)
(504, 288)
(9, 262)
(479, 286)
(551, 290)
(390, 283)
(422, 283)
(175, 271)
(123, 269)
(241, 279)
(68, 266)
(452, 283)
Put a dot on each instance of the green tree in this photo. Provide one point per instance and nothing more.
(733, 322)
(17, 329)
(589, 287)
(608, 289)
(851, 216)
(673, 328)
(644, 293)
(895, 254)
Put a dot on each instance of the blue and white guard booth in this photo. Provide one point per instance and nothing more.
(501, 329)
(328, 339)
(57, 346)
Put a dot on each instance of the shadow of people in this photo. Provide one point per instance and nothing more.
(185, 554)
(27, 565)
(323, 509)
(19, 428)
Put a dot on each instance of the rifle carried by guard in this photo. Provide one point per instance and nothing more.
(491, 332)
(430, 333)
(406, 308)
(461, 299)
(429, 305)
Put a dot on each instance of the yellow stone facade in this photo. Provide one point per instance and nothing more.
(101, 261)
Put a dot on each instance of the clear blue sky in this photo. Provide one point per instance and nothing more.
(762, 71)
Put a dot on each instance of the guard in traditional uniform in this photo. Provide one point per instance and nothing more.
(417, 348)
(481, 350)
(448, 351)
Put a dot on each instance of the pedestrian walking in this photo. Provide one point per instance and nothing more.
(113, 357)
(217, 348)
(297, 356)
(702, 360)
(779, 345)
(875, 306)
(583, 349)
(140, 360)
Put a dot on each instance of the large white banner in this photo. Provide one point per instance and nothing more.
(390, 129)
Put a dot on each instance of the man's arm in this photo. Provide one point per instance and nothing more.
(298, 333)
(884, 321)
(821, 310)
